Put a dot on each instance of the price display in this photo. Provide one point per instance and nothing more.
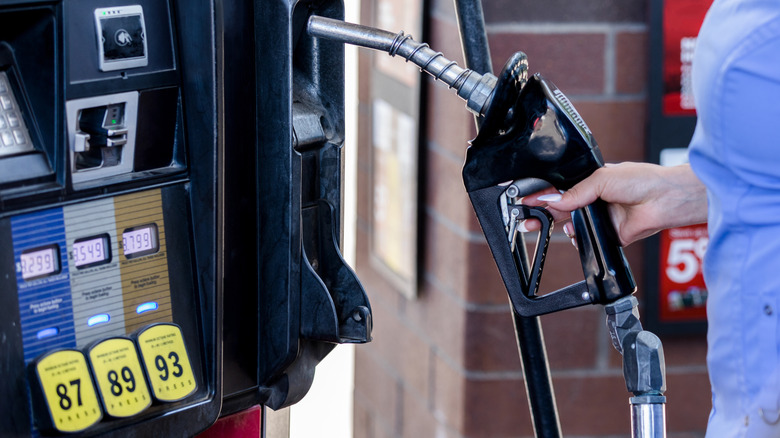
(140, 241)
(167, 363)
(68, 391)
(91, 251)
(40, 262)
(120, 377)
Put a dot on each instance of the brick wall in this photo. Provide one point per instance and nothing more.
(445, 364)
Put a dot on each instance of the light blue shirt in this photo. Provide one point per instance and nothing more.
(735, 151)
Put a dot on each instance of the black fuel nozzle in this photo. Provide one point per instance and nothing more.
(531, 137)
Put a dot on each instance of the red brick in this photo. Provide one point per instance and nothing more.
(593, 405)
(491, 344)
(685, 351)
(401, 350)
(445, 191)
(375, 387)
(445, 256)
(619, 128)
(448, 394)
(484, 283)
(688, 402)
(631, 62)
(563, 11)
(450, 125)
(496, 408)
(573, 337)
(418, 421)
(363, 419)
(439, 317)
(574, 62)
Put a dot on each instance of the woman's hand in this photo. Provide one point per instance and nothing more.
(643, 199)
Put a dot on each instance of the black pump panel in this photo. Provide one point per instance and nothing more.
(110, 314)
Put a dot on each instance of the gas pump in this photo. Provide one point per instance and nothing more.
(110, 303)
(530, 137)
(290, 297)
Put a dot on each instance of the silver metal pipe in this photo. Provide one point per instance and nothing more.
(474, 88)
(648, 417)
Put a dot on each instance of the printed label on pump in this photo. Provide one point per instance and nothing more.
(120, 378)
(68, 390)
(166, 361)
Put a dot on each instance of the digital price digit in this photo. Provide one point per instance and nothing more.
(167, 364)
(72, 404)
(91, 251)
(140, 241)
(40, 262)
(119, 376)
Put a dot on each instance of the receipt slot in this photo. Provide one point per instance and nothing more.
(110, 304)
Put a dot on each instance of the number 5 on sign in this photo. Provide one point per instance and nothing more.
(167, 364)
(684, 260)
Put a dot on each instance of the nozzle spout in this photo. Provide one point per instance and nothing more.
(476, 89)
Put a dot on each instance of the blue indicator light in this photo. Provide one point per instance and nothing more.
(146, 307)
(48, 332)
(98, 319)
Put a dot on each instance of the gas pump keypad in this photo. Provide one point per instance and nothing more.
(14, 137)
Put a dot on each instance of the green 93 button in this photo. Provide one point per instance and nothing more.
(167, 364)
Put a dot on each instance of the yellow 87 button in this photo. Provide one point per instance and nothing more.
(64, 380)
(120, 378)
(167, 364)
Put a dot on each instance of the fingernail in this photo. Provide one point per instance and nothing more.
(574, 242)
(567, 229)
(521, 227)
(552, 197)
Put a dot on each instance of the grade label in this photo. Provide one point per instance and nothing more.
(120, 378)
(68, 390)
(167, 363)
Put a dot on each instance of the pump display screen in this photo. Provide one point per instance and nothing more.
(40, 262)
(140, 241)
(91, 251)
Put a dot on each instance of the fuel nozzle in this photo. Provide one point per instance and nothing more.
(476, 89)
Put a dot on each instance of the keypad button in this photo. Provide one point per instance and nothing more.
(19, 137)
(7, 138)
(5, 102)
(13, 120)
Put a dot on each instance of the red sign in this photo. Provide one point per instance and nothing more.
(682, 292)
(681, 23)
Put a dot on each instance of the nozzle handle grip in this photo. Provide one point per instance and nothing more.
(604, 263)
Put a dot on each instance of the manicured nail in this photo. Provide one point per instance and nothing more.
(574, 242)
(567, 229)
(521, 227)
(552, 197)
